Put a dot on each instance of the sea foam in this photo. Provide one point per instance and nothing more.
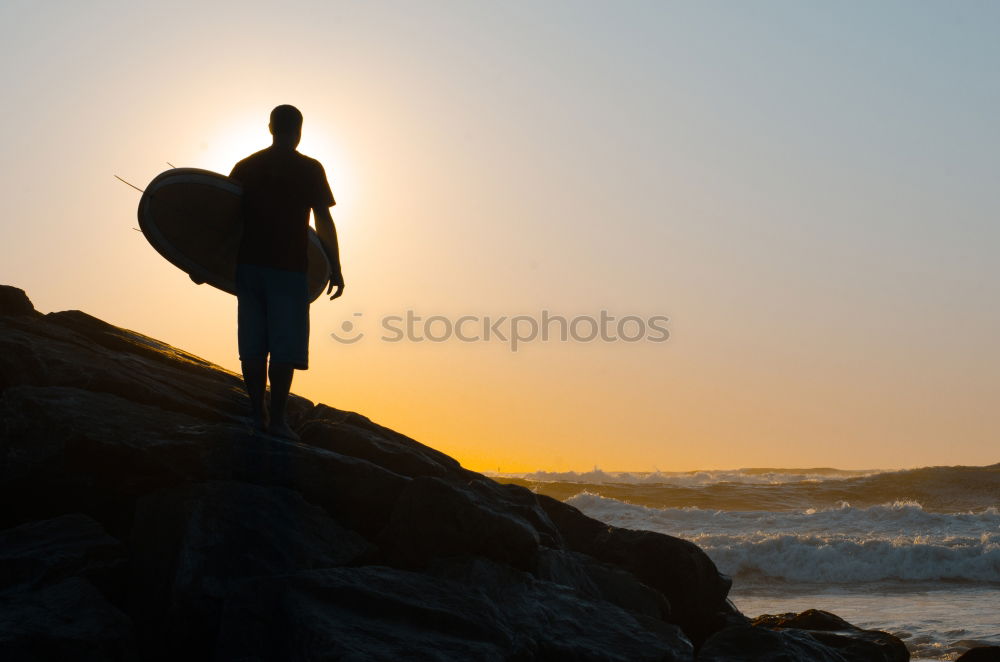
(841, 545)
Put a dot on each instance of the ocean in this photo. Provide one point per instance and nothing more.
(913, 552)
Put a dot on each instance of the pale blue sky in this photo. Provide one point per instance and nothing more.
(806, 189)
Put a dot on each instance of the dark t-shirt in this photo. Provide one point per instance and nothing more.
(279, 188)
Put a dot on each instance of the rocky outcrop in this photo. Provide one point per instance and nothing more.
(852, 643)
(676, 568)
(59, 581)
(143, 520)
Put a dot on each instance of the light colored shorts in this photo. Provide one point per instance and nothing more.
(273, 315)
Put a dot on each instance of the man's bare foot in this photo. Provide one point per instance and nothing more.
(258, 423)
(281, 429)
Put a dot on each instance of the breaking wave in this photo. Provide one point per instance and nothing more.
(840, 545)
(943, 489)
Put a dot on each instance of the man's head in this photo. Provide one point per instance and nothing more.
(286, 125)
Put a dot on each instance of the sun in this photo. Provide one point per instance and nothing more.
(243, 136)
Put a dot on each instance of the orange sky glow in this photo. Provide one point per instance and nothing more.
(810, 203)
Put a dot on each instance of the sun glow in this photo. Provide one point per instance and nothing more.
(247, 134)
(236, 139)
(320, 145)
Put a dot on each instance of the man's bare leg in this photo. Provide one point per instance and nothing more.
(281, 383)
(255, 378)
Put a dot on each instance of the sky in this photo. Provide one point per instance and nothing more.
(806, 190)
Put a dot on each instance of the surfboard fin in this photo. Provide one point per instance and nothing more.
(129, 184)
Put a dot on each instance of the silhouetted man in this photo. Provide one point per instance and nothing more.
(280, 186)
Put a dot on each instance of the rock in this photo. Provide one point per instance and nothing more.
(74, 349)
(519, 501)
(67, 448)
(366, 444)
(434, 518)
(744, 643)
(352, 434)
(378, 613)
(811, 619)
(601, 581)
(50, 551)
(68, 620)
(14, 301)
(853, 643)
(549, 615)
(857, 645)
(678, 569)
(72, 450)
(192, 544)
(50, 605)
(359, 494)
(243, 546)
(368, 613)
(981, 654)
(730, 615)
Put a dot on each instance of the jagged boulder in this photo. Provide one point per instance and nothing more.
(352, 434)
(71, 449)
(380, 613)
(73, 349)
(68, 620)
(14, 301)
(100, 452)
(677, 568)
(520, 502)
(57, 580)
(745, 643)
(599, 580)
(144, 520)
(49, 551)
(434, 518)
(851, 642)
(192, 544)
(555, 625)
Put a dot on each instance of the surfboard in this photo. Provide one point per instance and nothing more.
(192, 218)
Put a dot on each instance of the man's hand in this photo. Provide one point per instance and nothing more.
(328, 237)
(337, 281)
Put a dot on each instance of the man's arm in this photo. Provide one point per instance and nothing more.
(327, 232)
